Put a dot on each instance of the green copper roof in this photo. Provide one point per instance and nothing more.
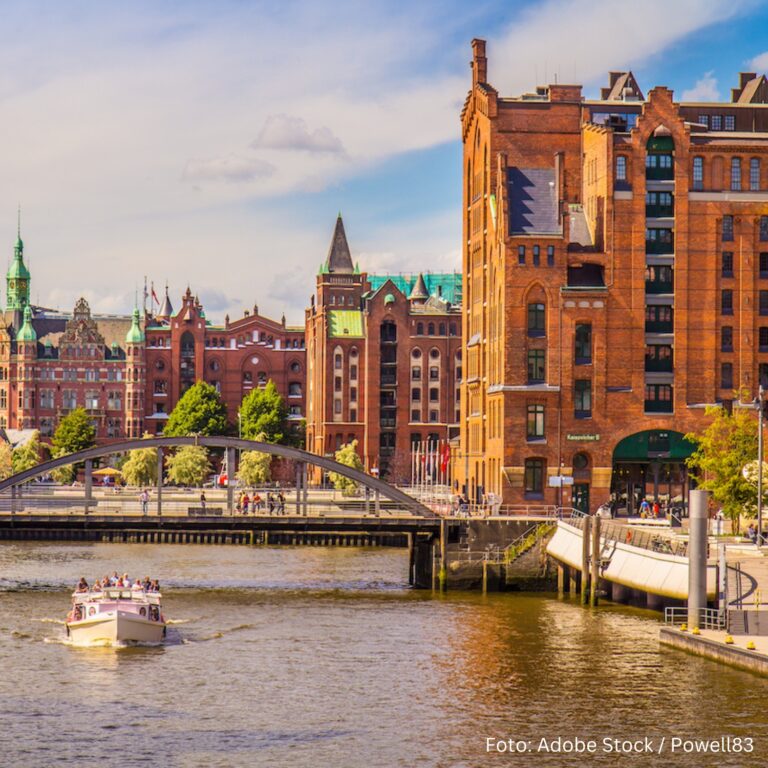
(135, 335)
(27, 332)
(389, 299)
(346, 322)
(445, 284)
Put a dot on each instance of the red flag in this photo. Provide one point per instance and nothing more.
(154, 295)
(446, 458)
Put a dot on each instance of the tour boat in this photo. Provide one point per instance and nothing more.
(116, 616)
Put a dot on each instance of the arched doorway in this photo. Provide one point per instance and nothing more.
(650, 465)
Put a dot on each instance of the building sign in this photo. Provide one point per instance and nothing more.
(583, 438)
(558, 481)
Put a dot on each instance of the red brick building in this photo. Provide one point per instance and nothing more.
(383, 361)
(615, 280)
(184, 347)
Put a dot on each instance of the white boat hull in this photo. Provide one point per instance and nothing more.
(116, 628)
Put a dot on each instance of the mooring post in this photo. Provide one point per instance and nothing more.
(298, 475)
(560, 579)
(88, 484)
(376, 503)
(411, 558)
(367, 500)
(595, 578)
(443, 574)
(230, 481)
(573, 581)
(305, 489)
(159, 482)
(585, 560)
(698, 503)
(13, 499)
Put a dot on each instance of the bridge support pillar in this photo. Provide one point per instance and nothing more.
(13, 499)
(561, 578)
(585, 560)
(697, 556)
(305, 489)
(230, 481)
(368, 505)
(411, 558)
(376, 502)
(300, 477)
(595, 578)
(88, 484)
(159, 482)
(443, 573)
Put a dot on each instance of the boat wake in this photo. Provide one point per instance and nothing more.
(51, 621)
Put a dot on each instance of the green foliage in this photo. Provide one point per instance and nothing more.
(189, 466)
(74, 433)
(140, 468)
(346, 455)
(6, 463)
(722, 450)
(254, 468)
(28, 455)
(199, 412)
(263, 412)
(64, 475)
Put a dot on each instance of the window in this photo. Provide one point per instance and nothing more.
(726, 339)
(763, 338)
(763, 298)
(521, 254)
(762, 374)
(352, 412)
(416, 373)
(46, 398)
(536, 255)
(160, 387)
(736, 174)
(353, 394)
(434, 373)
(726, 376)
(704, 120)
(419, 329)
(337, 361)
(536, 320)
(727, 264)
(698, 173)
(582, 398)
(114, 401)
(535, 366)
(294, 389)
(727, 227)
(337, 407)
(754, 174)
(726, 302)
(764, 228)
(535, 423)
(583, 343)
(434, 417)
(415, 415)
(434, 353)
(430, 329)
(730, 122)
(434, 395)
(416, 394)
(534, 477)
(353, 372)
(658, 398)
(550, 255)
(717, 122)
(337, 384)
(621, 168)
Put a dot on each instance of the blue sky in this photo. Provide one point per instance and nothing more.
(213, 143)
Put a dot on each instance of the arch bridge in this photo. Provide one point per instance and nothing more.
(375, 488)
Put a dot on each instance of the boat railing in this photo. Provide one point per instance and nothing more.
(117, 594)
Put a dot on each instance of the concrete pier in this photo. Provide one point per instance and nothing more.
(697, 556)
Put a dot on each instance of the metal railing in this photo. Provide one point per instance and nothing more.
(709, 618)
(651, 540)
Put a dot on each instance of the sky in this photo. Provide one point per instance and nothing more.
(213, 144)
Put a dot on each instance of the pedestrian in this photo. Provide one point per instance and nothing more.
(656, 509)
(257, 503)
(752, 533)
(202, 500)
(645, 508)
(270, 502)
(280, 503)
(144, 499)
(246, 503)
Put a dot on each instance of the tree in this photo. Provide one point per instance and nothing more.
(74, 433)
(346, 455)
(140, 468)
(189, 466)
(254, 468)
(199, 412)
(6, 461)
(263, 412)
(723, 449)
(27, 455)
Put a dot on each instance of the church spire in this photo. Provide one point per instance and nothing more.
(339, 258)
(17, 277)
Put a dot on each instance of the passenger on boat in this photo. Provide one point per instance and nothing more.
(154, 586)
(113, 579)
(96, 586)
(147, 583)
(137, 584)
(82, 585)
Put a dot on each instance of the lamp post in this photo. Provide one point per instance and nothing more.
(759, 537)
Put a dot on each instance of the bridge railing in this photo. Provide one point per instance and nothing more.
(653, 540)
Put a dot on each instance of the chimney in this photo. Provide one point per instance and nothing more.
(479, 62)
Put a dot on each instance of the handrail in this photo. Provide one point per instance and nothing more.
(709, 618)
(644, 539)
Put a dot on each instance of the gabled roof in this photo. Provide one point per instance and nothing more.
(618, 83)
(346, 323)
(339, 258)
(444, 284)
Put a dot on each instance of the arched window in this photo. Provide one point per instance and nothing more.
(441, 329)
(419, 329)
(187, 344)
(431, 329)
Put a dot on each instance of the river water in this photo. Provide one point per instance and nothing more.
(324, 657)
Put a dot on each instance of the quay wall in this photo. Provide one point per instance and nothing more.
(711, 649)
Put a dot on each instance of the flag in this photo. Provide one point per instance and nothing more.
(446, 457)
(154, 295)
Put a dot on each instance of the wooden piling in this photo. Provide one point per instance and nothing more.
(585, 560)
(595, 578)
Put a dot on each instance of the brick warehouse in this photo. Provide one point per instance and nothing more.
(615, 284)
(383, 361)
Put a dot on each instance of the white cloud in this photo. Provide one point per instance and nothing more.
(705, 89)
(760, 62)
(582, 41)
(233, 168)
(288, 132)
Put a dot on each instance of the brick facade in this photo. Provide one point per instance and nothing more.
(612, 281)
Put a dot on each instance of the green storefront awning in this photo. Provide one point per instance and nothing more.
(653, 444)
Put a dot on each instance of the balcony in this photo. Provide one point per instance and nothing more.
(658, 406)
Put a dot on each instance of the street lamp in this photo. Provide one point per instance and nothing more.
(759, 404)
